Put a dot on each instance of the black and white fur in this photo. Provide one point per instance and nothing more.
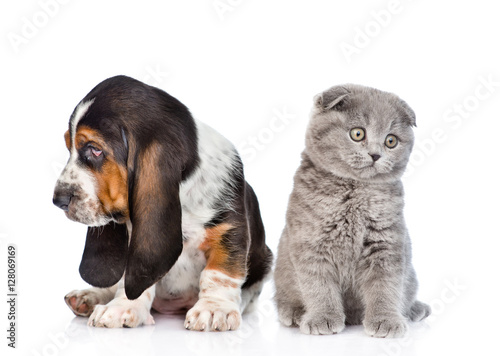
(202, 185)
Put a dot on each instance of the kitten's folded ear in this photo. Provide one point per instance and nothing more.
(330, 98)
(410, 117)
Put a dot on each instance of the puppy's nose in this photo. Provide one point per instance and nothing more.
(375, 157)
(62, 200)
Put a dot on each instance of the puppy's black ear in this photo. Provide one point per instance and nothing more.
(105, 255)
(331, 98)
(155, 212)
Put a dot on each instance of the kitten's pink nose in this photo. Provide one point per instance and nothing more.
(375, 157)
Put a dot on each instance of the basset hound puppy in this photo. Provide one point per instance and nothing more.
(172, 223)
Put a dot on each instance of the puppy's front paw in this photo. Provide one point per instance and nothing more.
(82, 302)
(120, 313)
(321, 324)
(393, 326)
(213, 315)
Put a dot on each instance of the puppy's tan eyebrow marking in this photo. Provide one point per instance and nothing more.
(85, 134)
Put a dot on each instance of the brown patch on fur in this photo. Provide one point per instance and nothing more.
(84, 135)
(112, 188)
(224, 282)
(67, 140)
(217, 255)
(148, 180)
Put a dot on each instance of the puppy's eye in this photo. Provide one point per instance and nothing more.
(95, 152)
(92, 154)
(391, 141)
(358, 134)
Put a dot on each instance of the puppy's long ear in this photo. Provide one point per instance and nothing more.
(155, 212)
(105, 255)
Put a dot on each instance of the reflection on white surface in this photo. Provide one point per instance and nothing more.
(453, 328)
(259, 334)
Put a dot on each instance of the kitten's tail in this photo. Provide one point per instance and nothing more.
(419, 311)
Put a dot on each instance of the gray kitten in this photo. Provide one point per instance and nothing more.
(345, 255)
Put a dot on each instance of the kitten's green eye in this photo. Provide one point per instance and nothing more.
(358, 134)
(391, 141)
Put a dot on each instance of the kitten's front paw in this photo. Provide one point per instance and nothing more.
(393, 326)
(325, 324)
(289, 315)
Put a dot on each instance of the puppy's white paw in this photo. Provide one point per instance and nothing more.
(82, 302)
(121, 313)
(213, 315)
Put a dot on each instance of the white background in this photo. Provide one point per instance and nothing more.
(240, 69)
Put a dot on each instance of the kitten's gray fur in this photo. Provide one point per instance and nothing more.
(345, 254)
